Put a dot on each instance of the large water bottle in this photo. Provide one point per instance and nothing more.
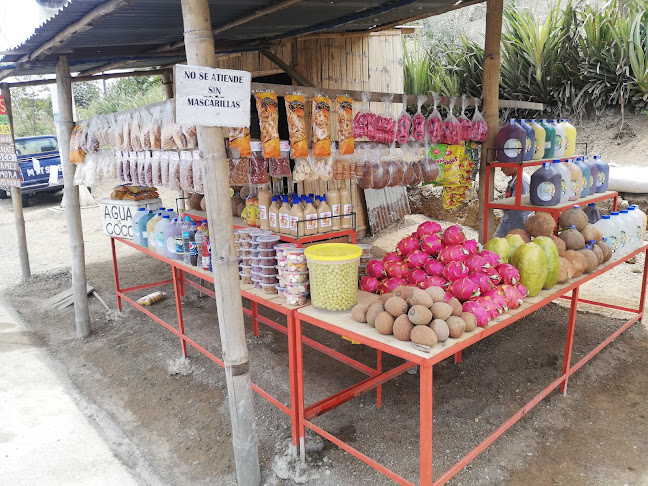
(530, 139)
(545, 186)
(561, 138)
(609, 232)
(621, 236)
(137, 231)
(179, 247)
(603, 174)
(585, 178)
(160, 227)
(593, 213)
(643, 225)
(627, 235)
(566, 179)
(511, 142)
(143, 223)
(169, 240)
(186, 250)
(638, 225)
(591, 164)
(150, 229)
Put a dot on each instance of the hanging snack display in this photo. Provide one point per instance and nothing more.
(418, 120)
(321, 128)
(296, 125)
(435, 122)
(345, 125)
(239, 139)
(267, 107)
(451, 128)
(364, 122)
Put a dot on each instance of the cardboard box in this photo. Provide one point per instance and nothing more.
(117, 215)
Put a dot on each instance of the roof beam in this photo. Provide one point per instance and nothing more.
(289, 70)
(177, 45)
(82, 25)
(457, 6)
(76, 79)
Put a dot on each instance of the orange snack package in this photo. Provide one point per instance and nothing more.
(345, 125)
(321, 128)
(239, 138)
(296, 125)
(266, 103)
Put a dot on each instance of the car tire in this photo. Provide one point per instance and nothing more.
(25, 200)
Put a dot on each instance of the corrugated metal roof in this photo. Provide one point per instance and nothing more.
(144, 25)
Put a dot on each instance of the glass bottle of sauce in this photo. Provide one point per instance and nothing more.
(324, 216)
(310, 215)
(345, 202)
(265, 199)
(316, 202)
(284, 216)
(333, 198)
(251, 203)
(273, 215)
(296, 216)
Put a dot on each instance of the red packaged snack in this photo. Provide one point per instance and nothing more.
(385, 123)
(435, 122)
(364, 122)
(403, 126)
(464, 122)
(451, 128)
(418, 120)
(479, 130)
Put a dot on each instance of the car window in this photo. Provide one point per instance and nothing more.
(36, 146)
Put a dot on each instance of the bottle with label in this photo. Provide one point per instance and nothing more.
(273, 215)
(576, 180)
(160, 227)
(621, 236)
(530, 139)
(284, 216)
(511, 142)
(593, 213)
(250, 212)
(142, 223)
(172, 214)
(603, 174)
(169, 240)
(204, 225)
(626, 224)
(347, 208)
(591, 165)
(265, 199)
(539, 142)
(310, 215)
(205, 253)
(545, 186)
(179, 229)
(198, 238)
(570, 137)
(550, 139)
(608, 230)
(137, 231)
(333, 199)
(640, 224)
(566, 179)
(324, 216)
(150, 229)
(193, 249)
(561, 139)
(585, 179)
(186, 249)
(296, 217)
(316, 202)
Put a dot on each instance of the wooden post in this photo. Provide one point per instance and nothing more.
(199, 45)
(16, 199)
(71, 196)
(490, 86)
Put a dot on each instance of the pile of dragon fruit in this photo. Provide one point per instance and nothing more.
(433, 257)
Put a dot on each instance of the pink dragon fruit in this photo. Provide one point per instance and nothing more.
(431, 244)
(455, 271)
(428, 228)
(453, 235)
(434, 281)
(508, 273)
(497, 295)
(434, 267)
(447, 297)
(483, 282)
(478, 311)
(490, 306)
(392, 257)
(396, 269)
(369, 284)
(464, 289)
(491, 273)
(477, 263)
(513, 299)
(376, 268)
(407, 245)
(389, 284)
(416, 276)
(417, 259)
(492, 257)
(454, 253)
(471, 246)
(522, 290)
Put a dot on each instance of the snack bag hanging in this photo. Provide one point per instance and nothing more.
(418, 120)
(479, 130)
(239, 138)
(435, 122)
(404, 124)
(296, 125)
(77, 155)
(267, 107)
(464, 122)
(321, 128)
(364, 122)
(386, 123)
(345, 125)
(451, 128)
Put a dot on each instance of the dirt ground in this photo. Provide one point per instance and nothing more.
(174, 414)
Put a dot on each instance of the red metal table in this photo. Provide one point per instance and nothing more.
(343, 325)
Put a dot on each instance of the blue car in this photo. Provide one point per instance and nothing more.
(37, 157)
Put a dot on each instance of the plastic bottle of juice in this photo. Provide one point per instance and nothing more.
(193, 249)
(576, 180)
(609, 231)
(143, 221)
(169, 240)
(251, 209)
(163, 224)
(284, 216)
(186, 249)
(566, 179)
(198, 239)
(570, 137)
(296, 215)
(205, 253)
(591, 165)
(593, 213)
(316, 202)
(539, 143)
(324, 216)
(530, 139)
(585, 178)
(137, 231)
(265, 199)
(561, 139)
(347, 208)
(545, 186)
(603, 174)
(333, 198)
(511, 142)
(550, 139)
(179, 245)
(310, 215)
(150, 228)
(273, 215)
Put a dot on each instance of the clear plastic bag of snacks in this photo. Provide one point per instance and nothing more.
(303, 171)
(127, 120)
(136, 131)
(364, 122)
(280, 167)
(464, 122)
(155, 130)
(92, 142)
(435, 122)
(385, 123)
(197, 170)
(365, 179)
(451, 128)
(321, 128)
(156, 168)
(239, 171)
(379, 169)
(239, 139)
(145, 132)
(408, 169)
(418, 120)
(164, 167)
(191, 137)
(296, 125)
(266, 104)
(186, 171)
(403, 125)
(134, 172)
(479, 130)
(429, 169)
(174, 171)
(258, 169)
(148, 169)
(168, 128)
(141, 169)
(345, 125)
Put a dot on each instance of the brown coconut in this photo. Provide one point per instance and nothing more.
(573, 239)
(578, 262)
(525, 236)
(605, 248)
(592, 260)
(573, 216)
(591, 232)
(540, 224)
(566, 270)
(560, 245)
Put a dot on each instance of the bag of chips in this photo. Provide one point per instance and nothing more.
(479, 130)
(464, 122)
(296, 125)
(451, 128)
(266, 104)
(364, 122)
(321, 126)
(345, 125)
(435, 122)
(239, 139)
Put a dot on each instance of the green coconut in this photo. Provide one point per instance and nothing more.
(553, 260)
(531, 262)
(499, 246)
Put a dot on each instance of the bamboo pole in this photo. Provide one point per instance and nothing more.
(16, 199)
(98, 77)
(71, 197)
(494, 11)
(199, 44)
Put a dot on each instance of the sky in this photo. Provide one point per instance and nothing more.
(19, 19)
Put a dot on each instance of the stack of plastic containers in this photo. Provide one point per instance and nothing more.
(294, 279)
(264, 262)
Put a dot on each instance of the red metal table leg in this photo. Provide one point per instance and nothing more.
(573, 310)
(457, 357)
(379, 370)
(182, 284)
(426, 425)
(255, 318)
(353, 237)
(176, 292)
(615, 200)
(116, 272)
(299, 362)
(642, 298)
(292, 373)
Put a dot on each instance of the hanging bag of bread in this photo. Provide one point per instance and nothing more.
(145, 129)
(126, 131)
(186, 171)
(267, 108)
(155, 130)
(296, 125)
(174, 171)
(321, 128)
(164, 167)
(197, 171)
(345, 138)
(239, 139)
(156, 168)
(168, 128)
(136, 131)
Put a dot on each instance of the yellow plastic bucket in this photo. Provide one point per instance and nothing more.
(333, 275)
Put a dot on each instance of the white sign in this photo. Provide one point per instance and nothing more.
(117, 216)
(212, 97)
